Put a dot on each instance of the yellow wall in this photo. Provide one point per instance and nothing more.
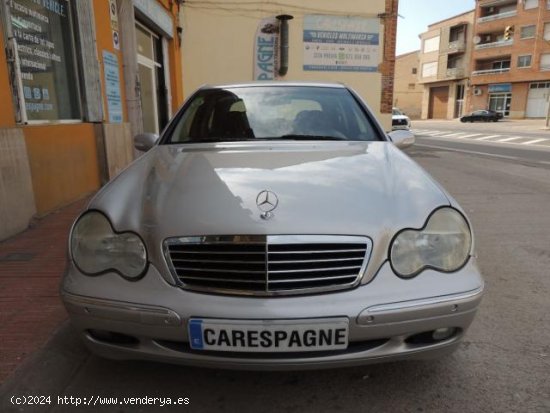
(7, 115)
(218, 44)
(63, 161)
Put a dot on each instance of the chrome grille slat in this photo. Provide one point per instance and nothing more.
(268, 265)
(297, 280)
(220, 270)
(315, 270)
(231, 280)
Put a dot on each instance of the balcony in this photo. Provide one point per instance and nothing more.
(457, 46)
(490, 71)
(455, 72)
(490, 3)
(499, 43)
(497, 16)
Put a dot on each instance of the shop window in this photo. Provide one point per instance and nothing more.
(45, 79)
(524, 61)
(528, 32)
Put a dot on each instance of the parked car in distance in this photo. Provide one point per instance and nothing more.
(273, 225)
(399, 120)
(482, 116)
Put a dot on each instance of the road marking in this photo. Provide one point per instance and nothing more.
(451, 135)
(513, 138)
(484, 138)
(435, 133)
(494, 155)
(532, 142)
(470, 135)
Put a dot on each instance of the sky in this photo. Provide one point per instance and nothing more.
(418, 14)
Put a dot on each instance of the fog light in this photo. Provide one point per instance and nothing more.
(443, 333)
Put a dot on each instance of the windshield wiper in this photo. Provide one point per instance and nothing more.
(312, 137)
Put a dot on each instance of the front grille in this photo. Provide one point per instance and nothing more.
(268, 265)
(399, 122)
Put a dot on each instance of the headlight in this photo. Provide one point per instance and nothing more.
(443, 244)
(96, 248)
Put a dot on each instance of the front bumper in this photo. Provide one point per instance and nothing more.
(383, 315)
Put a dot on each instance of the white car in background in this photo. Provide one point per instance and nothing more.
(399, 120)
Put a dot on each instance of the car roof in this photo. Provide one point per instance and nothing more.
(275, 83)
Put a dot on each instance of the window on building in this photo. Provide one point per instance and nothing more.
(524, 61)
(528, 32)
(412, 86)
(501, 64)
(547, 31)
(429, 69)
(47, 65)
(531, 4)
(414, 70)
(431, 45)
(457, 33)
(545, 61)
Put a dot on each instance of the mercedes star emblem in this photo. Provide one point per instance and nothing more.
(267, 201)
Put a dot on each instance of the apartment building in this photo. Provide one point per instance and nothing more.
(510, 65)
(407, 93)
(444, 66)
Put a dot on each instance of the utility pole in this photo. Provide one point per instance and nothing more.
(548, 112)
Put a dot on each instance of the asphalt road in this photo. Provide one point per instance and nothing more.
(502, 366)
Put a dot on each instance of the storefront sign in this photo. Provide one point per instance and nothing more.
(112, 87)
(266, 48)
(42, 31)
(500, 88)
(342, 44)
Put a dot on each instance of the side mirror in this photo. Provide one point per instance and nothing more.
(145, 141)
(402, 138)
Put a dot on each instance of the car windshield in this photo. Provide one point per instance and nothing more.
(264, 113)
(396, 112)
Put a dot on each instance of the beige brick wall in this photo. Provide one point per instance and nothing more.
(407, 93)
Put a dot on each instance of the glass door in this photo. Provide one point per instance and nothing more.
(500, 102)
(149, 64)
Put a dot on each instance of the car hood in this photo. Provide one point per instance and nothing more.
(351, 188)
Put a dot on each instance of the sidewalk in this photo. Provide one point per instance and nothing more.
(31, 265)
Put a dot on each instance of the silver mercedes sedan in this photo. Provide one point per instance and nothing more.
(272, 226)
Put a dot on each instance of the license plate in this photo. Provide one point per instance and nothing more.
(269, 336)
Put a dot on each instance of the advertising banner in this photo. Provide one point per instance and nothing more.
(266, 47)
(341, 44)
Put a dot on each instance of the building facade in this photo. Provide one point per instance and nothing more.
(77, 80)
(511, 58)
(346, 41)
(407, 93)
(444, 66)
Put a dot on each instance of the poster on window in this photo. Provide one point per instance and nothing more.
(341, 44)
(266, 46)
(43, 33)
